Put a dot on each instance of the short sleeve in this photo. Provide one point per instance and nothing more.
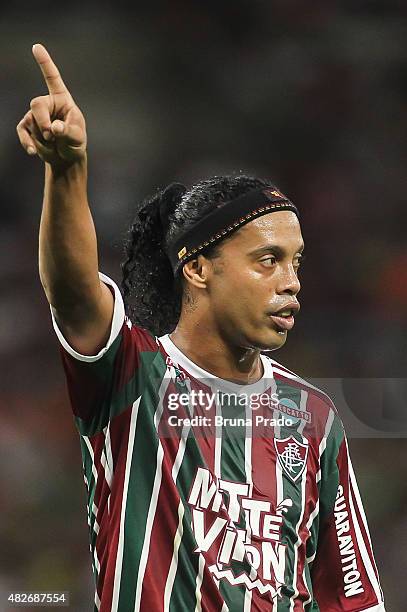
(116, 326)
(103, 385)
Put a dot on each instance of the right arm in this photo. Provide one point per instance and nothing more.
(68, 260)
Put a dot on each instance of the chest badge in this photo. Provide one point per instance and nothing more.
(292, 456)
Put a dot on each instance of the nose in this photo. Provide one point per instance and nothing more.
(288, 281)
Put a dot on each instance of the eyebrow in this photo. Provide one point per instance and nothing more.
(274, 248)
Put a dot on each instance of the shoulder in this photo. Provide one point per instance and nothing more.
(315, 398)
(143, 338)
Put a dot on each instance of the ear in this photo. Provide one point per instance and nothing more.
(198, 271)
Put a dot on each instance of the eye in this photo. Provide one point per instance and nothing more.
(299, 262)
(272, 260)
(301, 259)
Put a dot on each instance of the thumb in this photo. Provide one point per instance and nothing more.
(71, 134)
(57, 127)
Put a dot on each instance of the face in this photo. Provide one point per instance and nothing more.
(252, 286)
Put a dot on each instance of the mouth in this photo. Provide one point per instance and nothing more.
(284, 318)
(284, 323)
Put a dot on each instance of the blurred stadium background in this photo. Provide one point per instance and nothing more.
(313, 95)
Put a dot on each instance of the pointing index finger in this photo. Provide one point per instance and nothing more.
(49, 70)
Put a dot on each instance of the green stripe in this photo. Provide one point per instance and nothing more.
(291, 490)
(329, 467)
(312, 543)
(141, 481)
(312, 606)
(289, 537)
(326, 494)
(233, 468)
(183, 595)
(87, 468)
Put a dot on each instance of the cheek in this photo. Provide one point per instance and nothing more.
(233, 282)
(251, 283)
(241, 291)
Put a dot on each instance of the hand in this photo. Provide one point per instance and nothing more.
(54, 128)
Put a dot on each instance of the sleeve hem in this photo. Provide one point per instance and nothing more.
(117, 324)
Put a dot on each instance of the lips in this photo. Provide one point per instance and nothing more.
(292, 306)
(285, 323)
(284, 316)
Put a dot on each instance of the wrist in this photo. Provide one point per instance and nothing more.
(67, 170)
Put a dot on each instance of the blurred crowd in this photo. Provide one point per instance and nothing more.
(312, 95)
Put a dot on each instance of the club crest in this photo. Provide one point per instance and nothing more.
(292, 456)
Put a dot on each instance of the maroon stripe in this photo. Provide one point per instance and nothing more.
(119, 435)
(327, 573)
(134, 341)
(264, 485)
(368, 597)
(102, 491)
(86, 390)
(164, 528)
(321, 411)
(211, 598)
(101, 496)
(363, 531)
(205, 435)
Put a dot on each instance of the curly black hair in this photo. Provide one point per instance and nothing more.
(152, 296)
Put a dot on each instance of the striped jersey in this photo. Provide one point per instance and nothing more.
(207, 495)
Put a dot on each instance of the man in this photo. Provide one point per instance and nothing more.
(217, 479)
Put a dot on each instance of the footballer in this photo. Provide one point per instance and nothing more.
(229, 512)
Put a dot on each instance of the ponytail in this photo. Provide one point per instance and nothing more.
(152, 296)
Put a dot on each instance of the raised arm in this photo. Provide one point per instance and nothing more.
(54, 129)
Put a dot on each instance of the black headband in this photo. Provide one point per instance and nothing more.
(224, 219)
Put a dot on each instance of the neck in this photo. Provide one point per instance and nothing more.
(198, 339)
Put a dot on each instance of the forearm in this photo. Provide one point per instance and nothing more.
(68, 261)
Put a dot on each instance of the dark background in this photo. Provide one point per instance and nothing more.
(312, 95)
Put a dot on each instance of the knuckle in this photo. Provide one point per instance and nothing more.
(35, 102)
(38, 101)
(54, 77)
(20, 127)
(21, 123)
